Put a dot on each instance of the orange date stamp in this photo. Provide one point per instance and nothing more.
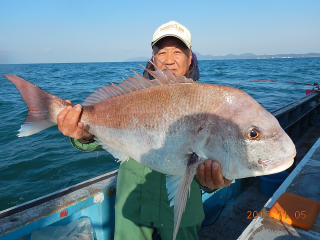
(281, 214)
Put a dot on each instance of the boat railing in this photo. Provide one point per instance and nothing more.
(296, 117)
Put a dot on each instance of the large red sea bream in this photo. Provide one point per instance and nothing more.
(171, 125)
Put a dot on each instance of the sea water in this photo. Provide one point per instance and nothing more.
(45, 162)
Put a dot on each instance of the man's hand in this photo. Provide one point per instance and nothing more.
(69, 125)
(210, 176)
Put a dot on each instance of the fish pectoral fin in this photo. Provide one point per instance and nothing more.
(172, 184)
(179, 188)
(116, 154)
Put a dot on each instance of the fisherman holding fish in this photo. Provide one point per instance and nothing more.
(142, 201)
(164, 128)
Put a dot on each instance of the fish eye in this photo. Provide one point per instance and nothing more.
(253, 134)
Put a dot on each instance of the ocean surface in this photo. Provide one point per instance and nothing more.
(45, 162)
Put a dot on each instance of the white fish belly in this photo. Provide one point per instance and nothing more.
(166, 151)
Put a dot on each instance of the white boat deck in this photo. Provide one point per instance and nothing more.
(304, 181)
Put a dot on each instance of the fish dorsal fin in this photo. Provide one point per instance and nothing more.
(135, 83)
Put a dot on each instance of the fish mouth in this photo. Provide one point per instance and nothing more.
(282, 165)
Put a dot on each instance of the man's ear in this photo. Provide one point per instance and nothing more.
(152, 56)
(190, 57)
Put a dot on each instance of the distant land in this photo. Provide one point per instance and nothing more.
(137, 59)
(233, 56)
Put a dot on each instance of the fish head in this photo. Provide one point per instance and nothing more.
(247, 140)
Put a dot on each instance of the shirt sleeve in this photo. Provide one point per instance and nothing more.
(208, 190)
(86, 147)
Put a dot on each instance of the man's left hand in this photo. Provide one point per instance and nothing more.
(210, 176)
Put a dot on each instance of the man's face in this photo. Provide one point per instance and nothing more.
(173, 53)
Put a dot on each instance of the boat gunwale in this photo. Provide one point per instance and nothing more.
(55, 195)
(283, 110)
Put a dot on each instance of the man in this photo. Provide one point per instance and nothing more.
(142, 201)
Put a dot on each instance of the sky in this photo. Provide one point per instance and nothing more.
(112, 31)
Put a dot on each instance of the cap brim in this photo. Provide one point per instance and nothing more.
(170, 35)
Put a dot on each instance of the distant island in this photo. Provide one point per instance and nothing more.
(233, 56)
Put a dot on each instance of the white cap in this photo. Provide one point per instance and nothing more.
(173, 29)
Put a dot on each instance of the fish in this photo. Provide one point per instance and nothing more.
(172, 124)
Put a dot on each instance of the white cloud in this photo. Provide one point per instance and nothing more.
(46, 49)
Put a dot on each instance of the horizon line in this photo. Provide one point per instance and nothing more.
(198, 59)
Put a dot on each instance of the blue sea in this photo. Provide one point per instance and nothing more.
(45, 162)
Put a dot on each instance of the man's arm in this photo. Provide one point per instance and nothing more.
(69, 125)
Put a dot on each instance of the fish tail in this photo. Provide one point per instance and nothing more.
(43, 106)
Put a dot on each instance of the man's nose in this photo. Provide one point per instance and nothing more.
(169, 60)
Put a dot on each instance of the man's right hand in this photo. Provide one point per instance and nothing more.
(69, 124)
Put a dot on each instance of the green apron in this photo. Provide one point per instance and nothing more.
(142, 197)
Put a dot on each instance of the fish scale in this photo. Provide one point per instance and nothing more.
(171, 125)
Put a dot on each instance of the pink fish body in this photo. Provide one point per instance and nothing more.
(171, 125)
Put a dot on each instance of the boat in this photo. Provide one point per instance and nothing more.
(93, 200)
